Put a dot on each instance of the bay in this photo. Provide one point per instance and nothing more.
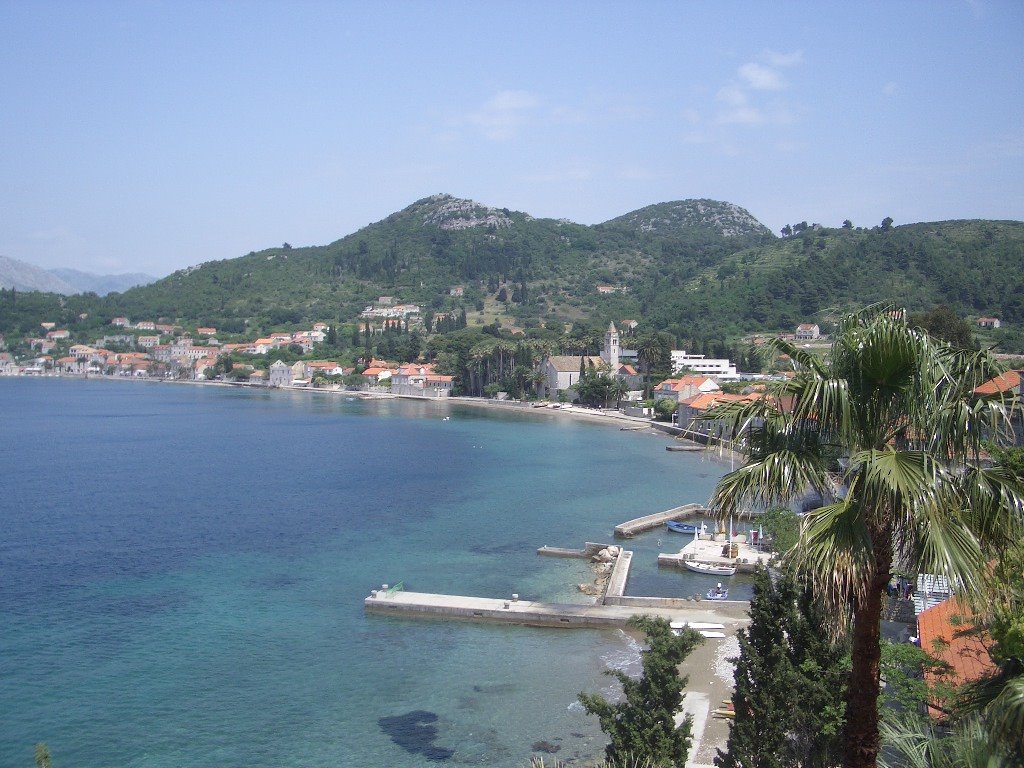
(182, 572)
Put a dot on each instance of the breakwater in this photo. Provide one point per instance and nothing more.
(647, 522)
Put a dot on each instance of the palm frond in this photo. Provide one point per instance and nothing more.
(835, 550)
(1005, 716)
(800, 357)
(779, 476)
(995, 505)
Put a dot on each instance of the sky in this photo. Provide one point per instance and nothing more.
(149, 136)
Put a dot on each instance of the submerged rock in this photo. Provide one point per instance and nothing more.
(545, 746)
(415, 733)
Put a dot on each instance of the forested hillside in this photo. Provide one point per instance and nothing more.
(699, 269)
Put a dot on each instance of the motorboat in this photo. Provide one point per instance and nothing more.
(718, 592)
(675, 525)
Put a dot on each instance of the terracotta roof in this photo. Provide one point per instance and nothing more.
(947, 634)
(1005, 383)
(707, 400)
(684, 381)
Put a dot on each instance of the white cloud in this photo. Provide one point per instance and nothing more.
(744, 97)
(742, 115)
(747, 114)
(510, 101)
(502, 115)
(761, 78)
(777, 59)
(731, 94)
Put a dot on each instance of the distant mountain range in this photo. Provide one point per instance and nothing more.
(27, 277)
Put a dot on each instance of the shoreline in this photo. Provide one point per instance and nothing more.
(603, 416)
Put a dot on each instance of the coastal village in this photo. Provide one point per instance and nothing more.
(160, 351)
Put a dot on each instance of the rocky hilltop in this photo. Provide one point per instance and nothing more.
(447, 212)
(727, 219)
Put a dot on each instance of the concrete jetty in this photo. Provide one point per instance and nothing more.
(537, 614)
(646, 523)
(590, 549)
(708, 550)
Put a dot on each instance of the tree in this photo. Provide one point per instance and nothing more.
(782, 527)
(887, 430)
(788, 695)
(847, 224)
(944, 324)
(642, 726)
(786, 231)
(651, 353)
(886, 224)
(665, 407)
(902, 668)
(596, 388)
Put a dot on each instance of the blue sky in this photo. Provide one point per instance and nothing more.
(149, 136)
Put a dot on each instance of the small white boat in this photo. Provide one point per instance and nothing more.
(710, 568)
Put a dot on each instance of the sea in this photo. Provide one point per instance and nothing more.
(183, 568)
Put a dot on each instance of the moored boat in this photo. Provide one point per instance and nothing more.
(710, 568)
(718, 592)
(675, 525)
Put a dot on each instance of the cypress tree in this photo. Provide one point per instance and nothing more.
(759, 733)
(642, 726)
(790, 680)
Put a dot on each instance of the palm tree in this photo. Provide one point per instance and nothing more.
(647, 353)
(888, 431)
(914, 744)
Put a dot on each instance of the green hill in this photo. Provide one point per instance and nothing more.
(701, 269)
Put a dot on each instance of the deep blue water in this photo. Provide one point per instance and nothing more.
(182, 572)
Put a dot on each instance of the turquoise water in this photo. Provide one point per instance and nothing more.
(182, 572)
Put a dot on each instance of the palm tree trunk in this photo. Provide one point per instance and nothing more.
(862, 693)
